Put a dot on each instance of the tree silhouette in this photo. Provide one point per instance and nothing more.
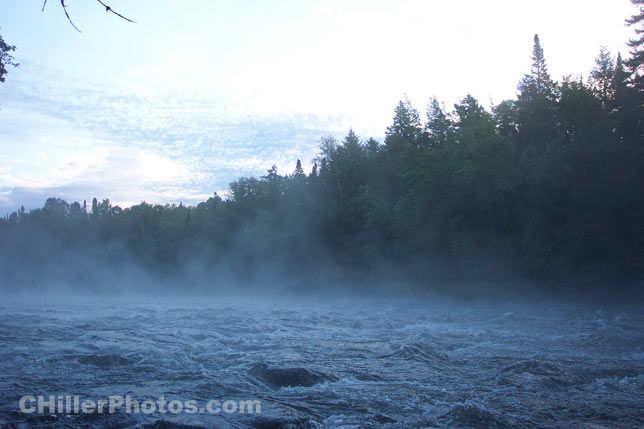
(6, 58)
(636, 62)
(602, 76)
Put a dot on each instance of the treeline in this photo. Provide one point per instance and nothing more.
(546, 189)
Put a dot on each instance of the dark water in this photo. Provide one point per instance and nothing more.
(347, 365)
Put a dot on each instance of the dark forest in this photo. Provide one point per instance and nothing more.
(545, 190)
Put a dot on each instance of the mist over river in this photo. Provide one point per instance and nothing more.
(342, 364)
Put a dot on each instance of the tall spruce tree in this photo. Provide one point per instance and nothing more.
(537, 102)
(635, 63)
(539, 79)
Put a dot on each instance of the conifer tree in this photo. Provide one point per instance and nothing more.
(438, 125)
(406, 122)
(94, 207)
(635, 63)
(602, 77)
(299, 171)
(536, 103)
(539, 79)
(627, 108)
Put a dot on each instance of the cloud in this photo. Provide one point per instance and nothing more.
(71, 138)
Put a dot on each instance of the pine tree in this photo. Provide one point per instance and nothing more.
(299, 171)
(349, 163)
(635, 63)
(472, 122)
(602, 77)
(94, 207)
(324, 166)
(372, 146)
(626, 107)
(469, 111)
(539, 78)
(406, 122)
(351, 141)
(537, 102)
(620, 76)
(438, 124)
(405, 137)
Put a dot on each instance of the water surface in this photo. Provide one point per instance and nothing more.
(345, 364)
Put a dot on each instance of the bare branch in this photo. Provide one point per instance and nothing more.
(109, 9)
(62, 2)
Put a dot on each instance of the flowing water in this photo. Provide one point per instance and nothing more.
(347, 365)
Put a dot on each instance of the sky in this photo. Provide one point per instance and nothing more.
(197, 93)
